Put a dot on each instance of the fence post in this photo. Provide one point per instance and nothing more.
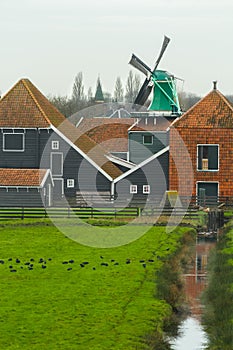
(115, 212)
(92, 212)
(22, 215)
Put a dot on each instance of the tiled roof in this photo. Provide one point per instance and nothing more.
(111, 133)
(22, 177)
(212, 111)
(161, 124)
(24, 106)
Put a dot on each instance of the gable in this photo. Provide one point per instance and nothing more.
(24, 106)
(212, 111)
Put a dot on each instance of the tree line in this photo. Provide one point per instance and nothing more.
(80, 100)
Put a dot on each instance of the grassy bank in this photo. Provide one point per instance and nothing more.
(57, 294)
(218, 317)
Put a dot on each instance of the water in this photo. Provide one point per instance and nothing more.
(191, 334)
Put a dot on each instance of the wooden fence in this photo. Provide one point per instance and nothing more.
(90, 212)
(68, 212)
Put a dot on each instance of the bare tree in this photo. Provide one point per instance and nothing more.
(78, 97)
(132, 87)
(119, 91)
(187, 100)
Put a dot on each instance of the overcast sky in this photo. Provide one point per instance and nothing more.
(50, 41)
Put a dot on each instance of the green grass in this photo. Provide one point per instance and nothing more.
(218, 298)
(112, 307)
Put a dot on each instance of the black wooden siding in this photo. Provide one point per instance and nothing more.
(154, 173)
(37, 154)
(139, 152)
(29, 158)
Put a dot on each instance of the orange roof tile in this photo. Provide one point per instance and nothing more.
(22, 177)
(212, 111)
(111, 133)
(24, 106)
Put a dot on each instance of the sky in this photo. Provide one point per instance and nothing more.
(50, 42)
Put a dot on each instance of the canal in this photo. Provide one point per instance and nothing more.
(191, 334)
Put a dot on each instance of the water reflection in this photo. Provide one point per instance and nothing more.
(192, 336)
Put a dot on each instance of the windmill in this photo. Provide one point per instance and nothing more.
(162, 83)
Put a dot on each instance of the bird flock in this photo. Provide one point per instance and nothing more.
(15, 264)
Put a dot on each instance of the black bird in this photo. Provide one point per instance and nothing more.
(82, 265)
(31, 259)
(31, 265)
(104, 264)
(112, 260)
(69, 268)
(2, 262)
(10, 267)
(142, 261)
(144, 265)
(128, 262)
(21, 267)
(10, 259)
(43, 266)
(71, 261)
(93, 268)
(12, 270)
(116, 263)
(49, 259)
(27, 263)
(41, 260)
(30, 268)
(150, 260)
(65, 262)
(17, 261)
(101, 257)
(85, 262)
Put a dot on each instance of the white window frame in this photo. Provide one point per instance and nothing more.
(146, 143)
(13, 150)
(55, 145)
(70, 183)
(133, 189)
(207, 144)
(146, 189)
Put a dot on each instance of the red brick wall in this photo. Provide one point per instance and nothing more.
(178, 154)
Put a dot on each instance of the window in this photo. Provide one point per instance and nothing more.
(55, 144)
(146, 189)
(147, 139)
(208, 157)
(70, 183)
(13, 142)
(133, 189)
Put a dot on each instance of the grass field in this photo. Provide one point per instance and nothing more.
(56, 294)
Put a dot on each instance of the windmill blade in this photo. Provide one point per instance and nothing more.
(142, 95)
(140, 65)
(166, 41)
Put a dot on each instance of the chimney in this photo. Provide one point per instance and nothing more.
(215, 84)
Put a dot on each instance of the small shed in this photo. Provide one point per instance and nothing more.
(26, 187)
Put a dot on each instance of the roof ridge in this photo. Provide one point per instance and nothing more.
(25, 81)
(187, 113)
(225, 99)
